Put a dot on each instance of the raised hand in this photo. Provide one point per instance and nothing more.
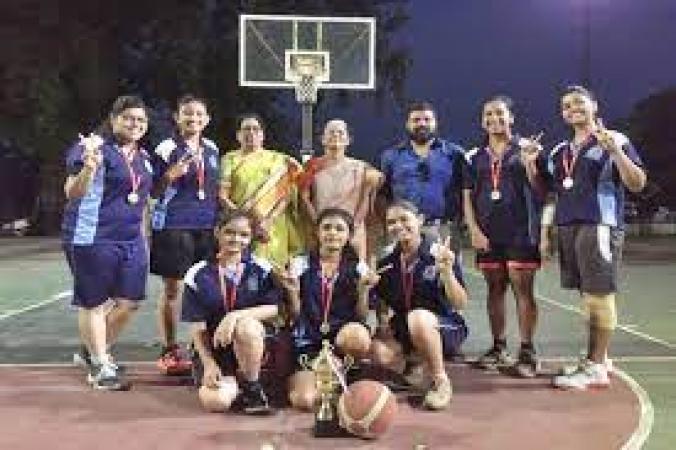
(444, 256)
(605, 138)
(180, 168)
(289, 281)
(530, 148)
(91, 155)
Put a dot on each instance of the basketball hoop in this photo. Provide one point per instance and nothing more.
(306, 70)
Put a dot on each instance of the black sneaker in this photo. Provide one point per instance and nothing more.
(105, 377)
(527, 365)
(495, 358)
(253, 400)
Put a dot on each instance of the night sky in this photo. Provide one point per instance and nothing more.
(464, 51)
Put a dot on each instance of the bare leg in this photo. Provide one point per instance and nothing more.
(118, 317)
(496, 279)
(167, 311)
(424, 330)
(249, 345)
(522, 286)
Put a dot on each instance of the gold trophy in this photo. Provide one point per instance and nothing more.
(329, 379)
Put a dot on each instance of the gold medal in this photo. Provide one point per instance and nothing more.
(567, 183)
(324, 328)
(495, 195)
(132, 198)
(201, 195)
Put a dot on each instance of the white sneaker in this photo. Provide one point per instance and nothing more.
(572, 368)
(588, 375)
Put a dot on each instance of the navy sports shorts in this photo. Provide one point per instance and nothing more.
(107, 271)
(453, 330)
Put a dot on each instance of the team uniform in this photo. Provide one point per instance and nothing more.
(589, 212)
(506, 208)
(419, 286)
(210, 293)
(102, 231)
(330, 301)
(432, 184)
(185, 213)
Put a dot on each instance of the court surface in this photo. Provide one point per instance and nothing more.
(38, 335)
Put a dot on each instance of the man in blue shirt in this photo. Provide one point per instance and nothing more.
(425, 170)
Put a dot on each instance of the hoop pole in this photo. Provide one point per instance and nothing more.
(306, 150)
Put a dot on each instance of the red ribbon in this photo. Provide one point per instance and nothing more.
(229, 295)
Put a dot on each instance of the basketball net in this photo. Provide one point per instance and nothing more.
(306, 89)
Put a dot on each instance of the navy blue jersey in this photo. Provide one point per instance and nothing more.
(432, 184)
(104, 214)
(514, 219)
(203, 300)
(343, 308)
(597, 193)
(180, 206)
(427, 290)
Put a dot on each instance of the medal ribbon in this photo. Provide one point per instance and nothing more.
(199, 168)
(133, 177)
(496, 170)
(407, 282)
(229, 294)
(327, 296)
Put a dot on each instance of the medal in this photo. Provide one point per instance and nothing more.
(201, 195)
(327, 298)
(567, 183)
(134, 178)
(324, 328)
(568, 163)
(495, 195)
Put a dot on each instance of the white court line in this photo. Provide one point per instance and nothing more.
(627, 329)
(647, 412)
(646, 415)
(52, 299)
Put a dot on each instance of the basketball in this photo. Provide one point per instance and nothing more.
(367, 409)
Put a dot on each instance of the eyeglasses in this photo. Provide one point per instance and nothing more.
(423, 171)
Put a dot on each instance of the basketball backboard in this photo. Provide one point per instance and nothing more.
(277, 50)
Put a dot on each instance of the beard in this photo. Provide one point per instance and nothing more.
(421, 135)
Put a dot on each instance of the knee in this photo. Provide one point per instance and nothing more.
(354, 339)
(302, 394)
(420, 321)
(601, 311)
(127, 306)
(248, 331)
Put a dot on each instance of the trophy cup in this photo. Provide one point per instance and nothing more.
(329, 378)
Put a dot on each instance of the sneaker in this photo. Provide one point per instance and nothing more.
(527, 365)
(82, 358)
(253, 400)
(173, 361)
(570, 369)
(495, 358)
(105, 377)
(439, 395)
(414, 374)
(587, 375)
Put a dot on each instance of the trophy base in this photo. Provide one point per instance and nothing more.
(328, 428)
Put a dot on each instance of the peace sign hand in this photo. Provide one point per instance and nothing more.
(444, 256)
(91, 155)
(180, 168)
(605, 138)
(530, 148)
(289, 281)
